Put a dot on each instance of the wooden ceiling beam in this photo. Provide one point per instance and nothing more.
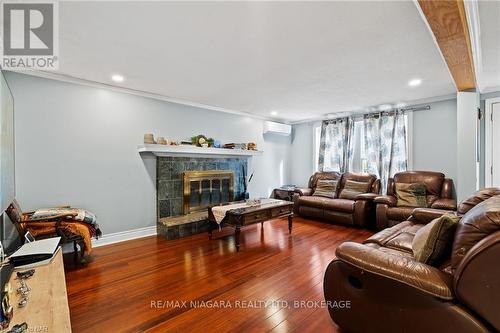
(448, 23)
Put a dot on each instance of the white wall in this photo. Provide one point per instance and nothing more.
(467, 174)
(434, 143)
(78, 145)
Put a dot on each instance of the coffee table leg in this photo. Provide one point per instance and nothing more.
(290, 221)
(210, 229)
(237, 238)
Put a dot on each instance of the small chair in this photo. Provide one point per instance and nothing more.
(46, 228)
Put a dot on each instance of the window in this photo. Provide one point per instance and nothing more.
(360, 160)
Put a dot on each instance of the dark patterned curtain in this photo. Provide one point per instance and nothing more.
(335, 150)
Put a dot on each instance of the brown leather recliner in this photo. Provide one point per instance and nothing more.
(439, 196)
(392, 292)
(358, 212)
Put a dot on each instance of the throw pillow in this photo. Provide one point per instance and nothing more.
(432, 243)
(411, 195)
(352, 189)
(326, 188)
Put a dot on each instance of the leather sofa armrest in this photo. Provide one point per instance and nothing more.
(304, 191)
(366, 196)
(388, 200)
(444, 203)
(405, 270)
(426, 215)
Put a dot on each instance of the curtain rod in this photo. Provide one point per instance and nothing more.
(361, 114)
(417, 108)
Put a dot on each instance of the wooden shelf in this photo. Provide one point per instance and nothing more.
(186, 151)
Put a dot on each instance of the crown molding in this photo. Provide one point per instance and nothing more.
(413, 103)
(490, 90)
(95, 84)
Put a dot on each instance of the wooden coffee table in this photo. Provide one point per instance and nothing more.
(244, 216)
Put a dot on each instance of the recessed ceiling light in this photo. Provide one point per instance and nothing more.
(117, 78)
(414, 82)
(274, 113)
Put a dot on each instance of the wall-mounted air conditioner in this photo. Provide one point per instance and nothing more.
(270, 127)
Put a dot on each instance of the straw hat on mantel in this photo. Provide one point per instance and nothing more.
(149, 138)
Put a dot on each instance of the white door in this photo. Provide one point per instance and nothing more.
(495, 144)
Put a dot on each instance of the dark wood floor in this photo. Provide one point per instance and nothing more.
(114, 293)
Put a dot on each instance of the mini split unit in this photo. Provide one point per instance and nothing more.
(270, 127)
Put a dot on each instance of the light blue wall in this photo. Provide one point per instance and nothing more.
(78, 145)
(435, 138)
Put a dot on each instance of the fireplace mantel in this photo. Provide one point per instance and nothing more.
(187, 151)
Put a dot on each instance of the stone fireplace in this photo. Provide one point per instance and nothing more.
(186, 186)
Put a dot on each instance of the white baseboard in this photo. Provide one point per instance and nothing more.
(124, 236)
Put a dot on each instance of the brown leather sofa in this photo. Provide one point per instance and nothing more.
(389, 291)
(439, 196)
(359, 212)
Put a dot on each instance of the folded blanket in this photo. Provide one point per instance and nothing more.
(49, 228)
(67, 214)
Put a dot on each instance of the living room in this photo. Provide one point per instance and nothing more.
(250, 166)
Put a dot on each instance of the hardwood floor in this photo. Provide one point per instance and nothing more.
(122, 289)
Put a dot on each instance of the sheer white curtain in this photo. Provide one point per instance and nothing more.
(385, 144)
(335, 150)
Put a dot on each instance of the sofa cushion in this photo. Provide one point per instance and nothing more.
(342, 205)
(479, 222)
(432, 243)
(411, 195)
(398, 237)
(313, 180)
(433, 180)
(387, 250)
(326, 188)
(316, 202)
(353, 188)
(399, 213)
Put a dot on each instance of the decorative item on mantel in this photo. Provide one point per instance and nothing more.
(202, 141)
(161, 141)
(149, 139)
(252, 146)
(235, 146)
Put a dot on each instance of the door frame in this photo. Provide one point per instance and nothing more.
(488, 137)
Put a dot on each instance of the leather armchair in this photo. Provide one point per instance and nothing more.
(358, 212)
(439, 196)
(393, 292)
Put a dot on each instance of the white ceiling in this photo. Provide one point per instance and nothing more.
(301, 59)
(489, 67)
